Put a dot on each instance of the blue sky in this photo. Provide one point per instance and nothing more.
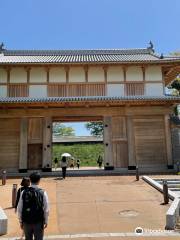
(80, 129)
(80, 24)
(71, 24)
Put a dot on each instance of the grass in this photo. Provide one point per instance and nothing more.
(87, 153)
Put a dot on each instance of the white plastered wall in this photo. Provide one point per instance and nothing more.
(76, 74)
(153, 73)
(115, 74)
(3, 91)
(57, 75)
(18, 75)
(38, 74)
(115, 90)
(134, 74)
(154, 89)
(96, 74)
(37, 91)
(3, 76)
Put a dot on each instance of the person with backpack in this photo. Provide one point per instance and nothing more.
(33, 209)
(64, 166)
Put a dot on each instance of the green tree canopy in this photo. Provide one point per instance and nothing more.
(63, 130)
(95, 128)
(176, 83)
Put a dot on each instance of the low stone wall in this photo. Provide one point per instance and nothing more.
(3, 222)
(173, 213)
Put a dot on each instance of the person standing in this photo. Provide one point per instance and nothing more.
(33, 209)
(64, 166)
(25, 183)
(55, 163)
(78, 162)
(100, 161)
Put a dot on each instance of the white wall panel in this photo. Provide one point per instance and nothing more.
(57, 74)
(3, 91)
(153, 73)
(115, 74)
(38, 74)
(95, 74)
(114, 90)
(37, 91)
(154, 89)
(18, 75)
(134, 74)
(76, 74)
(3, 76)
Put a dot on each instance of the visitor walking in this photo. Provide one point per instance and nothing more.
(55, 163)
(78, 162)
(33, 209)
(100, 161)
(64, 166)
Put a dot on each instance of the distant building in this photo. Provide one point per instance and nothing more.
(124, 88)
(70, 140)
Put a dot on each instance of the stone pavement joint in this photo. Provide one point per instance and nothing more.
(109, 235)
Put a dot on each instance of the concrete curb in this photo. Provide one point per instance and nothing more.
(3, 222)
(173, 213)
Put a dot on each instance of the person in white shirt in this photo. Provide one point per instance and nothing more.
(64, 165)
(33, 209)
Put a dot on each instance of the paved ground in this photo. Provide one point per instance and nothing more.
(96, 205)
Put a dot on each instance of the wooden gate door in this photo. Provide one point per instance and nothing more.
(34, 156)
(119, 142)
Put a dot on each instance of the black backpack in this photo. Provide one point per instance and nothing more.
(32, 211)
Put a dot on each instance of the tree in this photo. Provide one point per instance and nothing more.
(62, 130)
(176, 83)
(176, 53)
(95, 128)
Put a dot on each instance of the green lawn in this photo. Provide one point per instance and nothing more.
(87, 153)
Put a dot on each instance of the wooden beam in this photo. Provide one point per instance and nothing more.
(131, 142)
(108, 158)
(168, 140)
(47, 143)
(23, 144)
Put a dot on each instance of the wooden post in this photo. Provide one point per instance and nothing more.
(165, 192)
(47, 144)
(131, 144)
(23, 145)
(168, 142)
(108, 159)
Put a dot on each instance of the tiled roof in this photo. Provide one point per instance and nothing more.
(82, 56)
(87, 99)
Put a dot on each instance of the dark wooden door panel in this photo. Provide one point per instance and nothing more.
(34, 156)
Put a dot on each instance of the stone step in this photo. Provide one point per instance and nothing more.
(175, 189)
(174, 186)
(169, 182)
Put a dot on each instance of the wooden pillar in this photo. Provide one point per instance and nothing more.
(23, 145)
(168, 141)
(108, 159)
(131, 144)
(47, 144)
